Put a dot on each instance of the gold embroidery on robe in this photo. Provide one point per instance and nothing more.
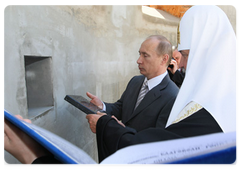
(191, 108)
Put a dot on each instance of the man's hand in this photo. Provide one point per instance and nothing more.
(175, 66)
(119, 122)
(20, 145)
(92, 120)
(95, 100)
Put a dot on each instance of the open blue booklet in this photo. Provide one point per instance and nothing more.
(214, 148)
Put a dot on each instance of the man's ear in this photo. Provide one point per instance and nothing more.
(165, 59)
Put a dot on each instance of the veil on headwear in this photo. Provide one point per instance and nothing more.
(211, 68)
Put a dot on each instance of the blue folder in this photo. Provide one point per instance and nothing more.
(63, 150)
(225, 156)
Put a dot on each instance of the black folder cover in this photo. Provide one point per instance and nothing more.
(82, 103)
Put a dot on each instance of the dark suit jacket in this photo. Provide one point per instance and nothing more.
(177, 77)
(153, 109)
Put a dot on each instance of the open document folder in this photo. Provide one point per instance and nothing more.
(214, 148)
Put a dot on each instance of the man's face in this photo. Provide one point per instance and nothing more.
(184, 59)
(177, 56)
(149, 62)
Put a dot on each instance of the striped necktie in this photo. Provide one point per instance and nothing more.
(142, 93)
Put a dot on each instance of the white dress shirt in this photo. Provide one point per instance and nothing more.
(153, 82)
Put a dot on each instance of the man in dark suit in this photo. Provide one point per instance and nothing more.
(155, 56)
(176, 73)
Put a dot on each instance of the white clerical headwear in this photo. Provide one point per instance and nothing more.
(210, 79)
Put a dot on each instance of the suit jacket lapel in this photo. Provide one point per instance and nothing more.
(152, 95)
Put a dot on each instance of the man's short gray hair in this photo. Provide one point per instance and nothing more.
(164, 46)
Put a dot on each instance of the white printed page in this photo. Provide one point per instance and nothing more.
(172, 150)
(70, 150)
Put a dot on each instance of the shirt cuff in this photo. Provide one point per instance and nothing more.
(104, 107)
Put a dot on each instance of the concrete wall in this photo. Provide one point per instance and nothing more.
(91, 48)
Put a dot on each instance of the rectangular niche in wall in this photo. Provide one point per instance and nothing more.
(38, 75)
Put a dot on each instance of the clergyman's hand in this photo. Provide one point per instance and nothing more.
(92, 120)
(20, 145)
(95, 100)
